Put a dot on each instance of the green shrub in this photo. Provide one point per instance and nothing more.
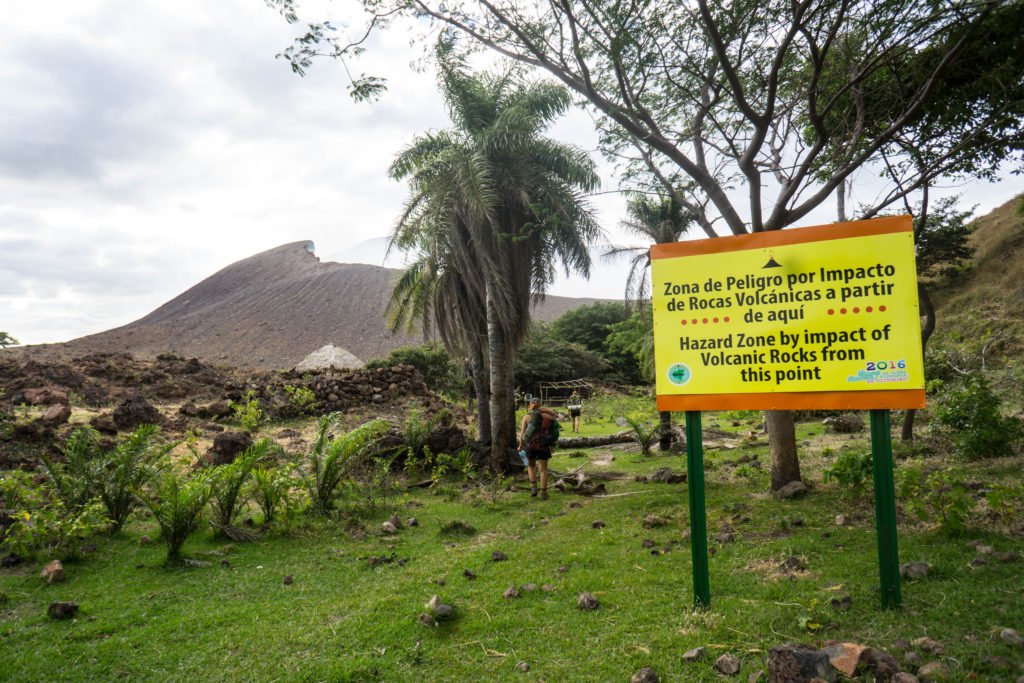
(227, 481)
(439, 372)
(121, 471)
(939, 496)
(1005, 501)
(177, 501)
(19, 492)
(329, 461)
(852, 470)
(301, 401)
(248, 412)
(54, 529)
(970, 414)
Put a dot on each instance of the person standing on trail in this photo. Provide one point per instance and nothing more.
(575, 406)
(539, 434)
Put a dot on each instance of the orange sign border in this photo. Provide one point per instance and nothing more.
(805, 400)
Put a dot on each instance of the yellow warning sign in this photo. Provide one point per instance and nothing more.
(823, 317)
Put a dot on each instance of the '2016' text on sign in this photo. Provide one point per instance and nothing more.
(823, 317)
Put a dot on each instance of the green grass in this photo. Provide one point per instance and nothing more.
(342, 620)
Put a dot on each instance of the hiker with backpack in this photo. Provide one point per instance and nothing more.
(540, 433)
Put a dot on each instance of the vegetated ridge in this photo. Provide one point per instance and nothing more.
(980, 311)
(268, 312)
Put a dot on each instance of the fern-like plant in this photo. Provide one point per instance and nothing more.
(270, 489)
(74, 479)
(228, 481)
(176, 502)
(645, 433)
(331, 460)
(121, 471)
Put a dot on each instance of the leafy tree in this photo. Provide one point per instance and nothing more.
(544, 357)
(496, 204)
(331, 459)
(176, 501)
(589, 326)
(7, 340)
(699, 98)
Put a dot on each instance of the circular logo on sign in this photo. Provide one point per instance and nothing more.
(679, 373)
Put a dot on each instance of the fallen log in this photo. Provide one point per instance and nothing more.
(566, 443)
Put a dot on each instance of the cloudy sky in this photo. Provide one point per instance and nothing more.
(145, 145)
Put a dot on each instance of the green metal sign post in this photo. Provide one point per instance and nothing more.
(698, 521)
(885, 509)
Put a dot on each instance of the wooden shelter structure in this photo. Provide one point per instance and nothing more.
(557, 393)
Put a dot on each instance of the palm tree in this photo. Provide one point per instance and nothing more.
(494, 205)
(660, 220)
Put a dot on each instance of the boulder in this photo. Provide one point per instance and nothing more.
(844, 657)
(727, 665)
(62, 610)
(53, 572)
(693, 655)
(793, 489)
(44, 396)
(587, 602)
(644, 675)
(847, 423)
(214, 410)
(104, 424)
(135, 411)
(914, 571)
(56, 415)
(798, 664)
(227, 446)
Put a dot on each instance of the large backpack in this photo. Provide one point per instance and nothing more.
(547, 435)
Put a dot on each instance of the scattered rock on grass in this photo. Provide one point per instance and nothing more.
(53, 572)
(427, 620)
(587, 602)
(395, 521)
(915, 571)
(1006, 556)
(145, 540)
(842, 603)
(912, 659)
(882, 665)
(693, 655)
(645, 675)
(653, 521)
(411, 522)
(841, 520)
(469, 574)
(727, 665)
(792, 663)
(547, 587)
(904, 677)
(388, 528)
(528, 587)
(1011, 637)
(62, 610)
(928, 645)
(933, 672)
(793, 489)
(647, 543)
(563, 569)
(288, 580)
(522, 667)
(498, 556)
(510, 593)
(443, 612)
(598, 524)
(844, 657)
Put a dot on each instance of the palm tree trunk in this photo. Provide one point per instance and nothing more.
(665, 430)
(782, 444)
(502, 432)
(483, 394)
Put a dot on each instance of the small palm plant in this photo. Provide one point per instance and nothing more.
(270, 487)
(124, 469)
(176, 502)
(644, 432)
(74, 479)
(331, 460)
(228, 482)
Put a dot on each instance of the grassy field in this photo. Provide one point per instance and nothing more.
(343, 620)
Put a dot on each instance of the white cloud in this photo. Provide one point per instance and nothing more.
(145, 145)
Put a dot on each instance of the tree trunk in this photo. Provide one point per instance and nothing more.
(841, 201)
(483, 394)
(782, 444)
(928, 309)
(665, 430)
(565, 443)
(502, 428)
